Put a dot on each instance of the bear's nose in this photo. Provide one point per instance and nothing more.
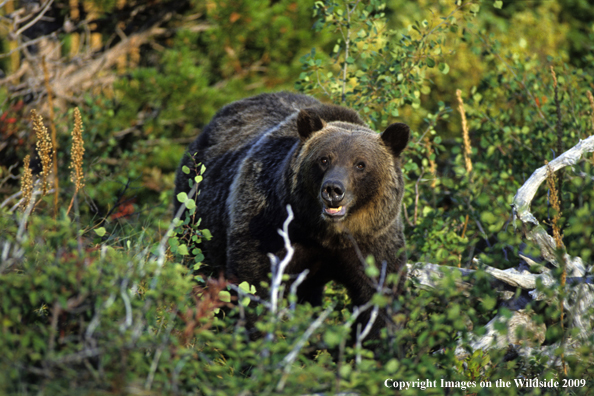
(332, 192)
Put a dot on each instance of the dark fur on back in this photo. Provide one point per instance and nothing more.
(264, 152)
(225, 141)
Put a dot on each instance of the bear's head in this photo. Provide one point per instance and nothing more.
(351, 173)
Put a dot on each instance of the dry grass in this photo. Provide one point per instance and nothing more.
(77, 152)
(432, 165)
(44, 150)
(554, 200)
(591, 99)
(26, 183)
(467, 146)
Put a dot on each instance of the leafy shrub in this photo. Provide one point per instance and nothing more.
(100, 299)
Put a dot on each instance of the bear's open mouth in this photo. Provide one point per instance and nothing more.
(335, 212)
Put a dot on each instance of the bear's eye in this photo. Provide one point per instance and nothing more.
(361, 165)
(324, 161)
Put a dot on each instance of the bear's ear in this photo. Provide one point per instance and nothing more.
(396, 137)
(308, 122)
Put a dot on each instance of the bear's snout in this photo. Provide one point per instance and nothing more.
(334, 195)
(333, 192)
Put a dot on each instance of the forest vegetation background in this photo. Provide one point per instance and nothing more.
(98, 290)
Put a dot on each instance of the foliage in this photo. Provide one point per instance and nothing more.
(110, 298)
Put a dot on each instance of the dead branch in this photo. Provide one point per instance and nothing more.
(71, 77)
(579, 288)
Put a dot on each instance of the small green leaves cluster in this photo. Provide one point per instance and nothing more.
(187, 235)
(374, 69)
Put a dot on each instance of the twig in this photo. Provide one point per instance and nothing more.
(124, 293)
(320, 84)
(591, 100)
(373, 315)
(278, 269)
(166, 340)
(97, 317)
(33, 21)
(522, 199)
(153, 369)
(54, 327)
(287, 362)
(161, 247)
(559, 129)
(406, 214)
(347, 42)
(294, 286)
(417, 196)
(465, 136)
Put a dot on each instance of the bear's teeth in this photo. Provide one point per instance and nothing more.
(333, 210)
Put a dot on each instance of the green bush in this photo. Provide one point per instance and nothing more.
(111, 298)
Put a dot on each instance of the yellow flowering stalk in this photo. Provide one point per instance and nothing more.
(467, 147)
(44, 150)
(77, 152)
(26, 183)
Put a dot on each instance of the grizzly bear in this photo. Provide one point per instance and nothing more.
(343, 181)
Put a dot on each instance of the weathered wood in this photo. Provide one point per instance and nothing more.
(579, 287)
(525, 195)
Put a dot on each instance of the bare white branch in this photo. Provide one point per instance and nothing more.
(287, 362)
(278, 268)
(524, 196)
(295, 285)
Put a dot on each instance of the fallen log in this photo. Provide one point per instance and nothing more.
(578, 300)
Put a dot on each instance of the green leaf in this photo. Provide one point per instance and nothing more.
(498, 4)
(186, 170)
(182, 197)
(392, 366)
(444, 68)
(246, 287)
(199, 258)
(206, 234)
(489, 303)
(345, 371)
(430, 62)
(190, 204)
(198, 179)
(332, 338)
(183, 250)
(224, 296)
(100, 231)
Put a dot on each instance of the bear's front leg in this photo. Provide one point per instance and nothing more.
(361, 288)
